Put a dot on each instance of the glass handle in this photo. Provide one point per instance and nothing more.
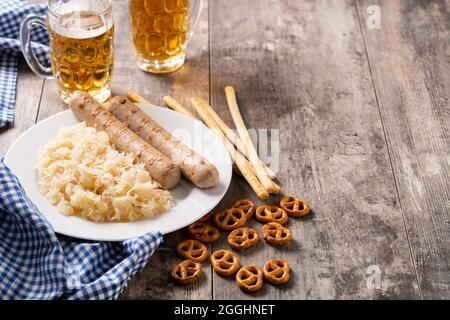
(197, 10)
(27, 50)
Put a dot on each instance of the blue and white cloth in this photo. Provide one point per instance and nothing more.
(12, 12)
(35, 263)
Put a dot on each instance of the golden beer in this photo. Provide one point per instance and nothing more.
(159, 29)
(81, 46)
(82, 57)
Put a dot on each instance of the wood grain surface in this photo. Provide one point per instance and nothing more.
(300, 68)
(410, 61)
(358, 120)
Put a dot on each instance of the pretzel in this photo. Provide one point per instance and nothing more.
(193, 250)
(271, 213)
(294, 207)
(224, 262)
(186, 272)
(276, 234)
(247, 206)
(249, 278)
(230, 219)
(203, 232)
(242, 238)
(276, 271)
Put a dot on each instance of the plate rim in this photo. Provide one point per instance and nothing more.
(75, 235)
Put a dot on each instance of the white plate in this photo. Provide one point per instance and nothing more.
(191, 203)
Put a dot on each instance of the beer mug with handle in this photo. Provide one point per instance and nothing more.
(81, 46)
(160, 30)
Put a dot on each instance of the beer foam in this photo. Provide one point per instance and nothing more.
(81, 33)
(80, 19)
(81, 25)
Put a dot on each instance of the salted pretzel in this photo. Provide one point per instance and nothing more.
(249, 278)
(294, 207)
(224, 262)
(276, 271)
(243, 238)
(186, 272)
(271, 213)
(193, 250)
(230, 219)
(276, 234)
(247, 206)
(203, 232)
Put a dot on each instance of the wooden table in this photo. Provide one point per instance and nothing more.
(364, 120)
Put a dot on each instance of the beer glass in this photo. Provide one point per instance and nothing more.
(81, 46)
(160, 30)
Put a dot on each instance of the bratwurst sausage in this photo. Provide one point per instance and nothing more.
(193, 166)
(161, 168)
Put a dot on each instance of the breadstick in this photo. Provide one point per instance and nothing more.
(229, 134)
(276, 189)
(176, 106)
(136, 98)
(238, 158)
(235, 139)
(257, 163)
(243, 133)
(239, 144)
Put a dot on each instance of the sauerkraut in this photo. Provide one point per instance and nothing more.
(83, 175)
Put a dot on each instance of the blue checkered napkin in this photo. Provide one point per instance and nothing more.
(12, 12)
(36, 264)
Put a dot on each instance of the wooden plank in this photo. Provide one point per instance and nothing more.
(29, 88)
(409, 59)
(308, 76)
(300, 67)
(191, 80)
